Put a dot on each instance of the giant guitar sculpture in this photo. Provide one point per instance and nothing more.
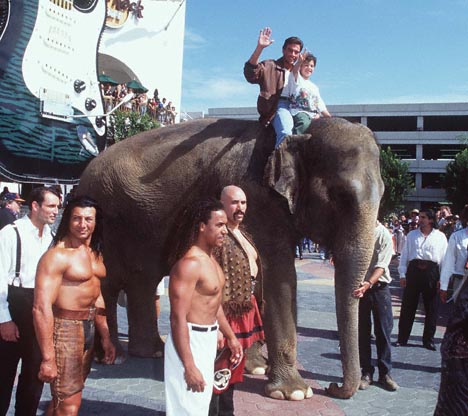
(50, 97)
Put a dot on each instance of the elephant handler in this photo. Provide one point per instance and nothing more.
(195, 290)
(68, 305)
(375, 299)
(240, 262)
(272, 77)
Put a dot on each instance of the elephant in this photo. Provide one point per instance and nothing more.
(324, 184)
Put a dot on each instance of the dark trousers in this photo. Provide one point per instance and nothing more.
(223, 404)
(419, 282)
(29, 389)
(378, 303)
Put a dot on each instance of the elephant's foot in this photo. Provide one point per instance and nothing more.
(147, 350)
(288, 387)
(255, 363)
(340, 392)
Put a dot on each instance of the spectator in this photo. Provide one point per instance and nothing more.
(5, 191)
(456, 256)
(445, 212)
(422, 256)
(10, 207)
(17, 335)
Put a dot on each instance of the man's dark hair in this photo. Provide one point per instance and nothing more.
(64, 226)
(293, 40)
(38, 195)
(464, 216)
(431, 215)
(310, 57)
(187, 231)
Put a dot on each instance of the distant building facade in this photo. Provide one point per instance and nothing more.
(427, 136)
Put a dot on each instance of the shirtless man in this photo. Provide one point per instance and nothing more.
(195, 290)
(68, 304)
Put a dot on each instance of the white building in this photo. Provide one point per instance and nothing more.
(427, 136)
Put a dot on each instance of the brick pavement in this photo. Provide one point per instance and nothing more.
(136, 387)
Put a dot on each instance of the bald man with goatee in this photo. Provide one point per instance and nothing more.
(240, 262)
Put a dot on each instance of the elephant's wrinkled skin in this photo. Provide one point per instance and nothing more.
(330, 180)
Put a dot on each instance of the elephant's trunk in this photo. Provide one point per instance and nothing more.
(352, 259)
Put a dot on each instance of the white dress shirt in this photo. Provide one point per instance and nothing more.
(418, 246)
(32, 248)
(455, 257)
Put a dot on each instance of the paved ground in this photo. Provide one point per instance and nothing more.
(136, 387)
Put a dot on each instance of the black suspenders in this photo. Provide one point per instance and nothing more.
(18, 258)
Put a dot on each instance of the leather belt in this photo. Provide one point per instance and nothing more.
(204, 328)
(83, 315)
(423, 264)
(379, 285)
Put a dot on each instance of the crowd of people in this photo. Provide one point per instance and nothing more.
(161, 110)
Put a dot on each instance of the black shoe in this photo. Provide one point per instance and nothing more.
(388, 383)
(400, 344)
(430, 346)
(366, 381)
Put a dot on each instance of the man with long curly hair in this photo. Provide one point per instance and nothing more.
(195, 291)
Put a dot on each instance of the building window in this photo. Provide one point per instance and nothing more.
(441, 151)
(431, 181)
(446, 123)
(353, 119)
(403, 151)
(403, 123)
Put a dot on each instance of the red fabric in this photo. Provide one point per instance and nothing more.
(248, 329)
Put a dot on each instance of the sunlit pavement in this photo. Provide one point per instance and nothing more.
(136, 387)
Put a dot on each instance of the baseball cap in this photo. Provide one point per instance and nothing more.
(10, 196)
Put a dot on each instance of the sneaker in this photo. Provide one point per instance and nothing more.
(366, 381)
(388, 383)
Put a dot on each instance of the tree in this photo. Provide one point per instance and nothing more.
(124, 124)
(456, 180)
(398, 182)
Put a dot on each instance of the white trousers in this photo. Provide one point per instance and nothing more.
(179, 400)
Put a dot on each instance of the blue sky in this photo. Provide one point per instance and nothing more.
(369, 51)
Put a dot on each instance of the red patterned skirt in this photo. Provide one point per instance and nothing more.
(248, 329)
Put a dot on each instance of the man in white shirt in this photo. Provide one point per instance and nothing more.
(18, 264)
(420, 263)
(455, 258)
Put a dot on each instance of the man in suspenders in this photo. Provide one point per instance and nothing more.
(21, 246)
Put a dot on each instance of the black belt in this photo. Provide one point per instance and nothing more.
(457, 276)
(379, 285)
(423, 264)
(204, 328)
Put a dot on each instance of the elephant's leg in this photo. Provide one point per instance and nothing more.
(256, 363)
(280, 286)
(110, 291)
(144, 339)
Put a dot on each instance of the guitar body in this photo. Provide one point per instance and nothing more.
(48, 72)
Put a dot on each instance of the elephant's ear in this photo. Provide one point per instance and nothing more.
(281, 171)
